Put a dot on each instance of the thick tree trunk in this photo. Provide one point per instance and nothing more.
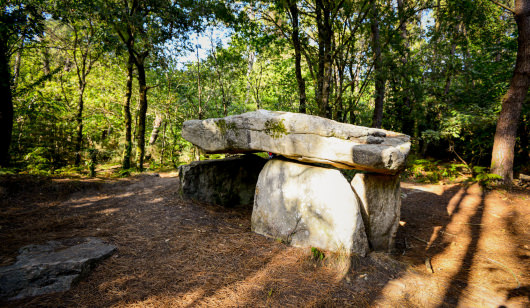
(504, 142)
(6, 105)
(126, 164)
(295, 36)
(79, 125)
(325, 35)
(142, 112)
(379, 96)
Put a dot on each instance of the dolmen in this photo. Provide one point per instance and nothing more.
(301, 197)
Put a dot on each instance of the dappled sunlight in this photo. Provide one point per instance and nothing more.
(108, 211)
(278, 278)
(465, 254)
(175, 253)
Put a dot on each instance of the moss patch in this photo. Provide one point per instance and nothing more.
(275, 129)
(224, 127)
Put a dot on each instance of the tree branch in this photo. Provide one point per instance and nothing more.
(509, 9)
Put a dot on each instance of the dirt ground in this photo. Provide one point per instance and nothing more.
(457, 245)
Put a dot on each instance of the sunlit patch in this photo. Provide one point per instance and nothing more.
(108, 211)
(156, 200)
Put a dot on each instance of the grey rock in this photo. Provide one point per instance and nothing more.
(302, 137)
(380, 199)
(52, 267)
(228, 182)
(305, 205)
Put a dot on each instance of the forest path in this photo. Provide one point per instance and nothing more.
(173, 252)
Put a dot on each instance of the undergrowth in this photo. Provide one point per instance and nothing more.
(432, 171)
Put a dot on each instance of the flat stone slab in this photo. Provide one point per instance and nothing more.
(227, 182)
(52, 267)
(302, 137)
(308, 206)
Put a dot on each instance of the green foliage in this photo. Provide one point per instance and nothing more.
(317, 254)
(92, 162)
(445, 79)
(433, 171)
(483, 177)
(37, 161)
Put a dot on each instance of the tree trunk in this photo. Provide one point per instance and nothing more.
(377, 118)
(156, 129)
(199, 83)
(46, 61)
(293, 9)
(162, 151)
(504, 142)
(18, 61)
(6, 105)
(250, 64)
(406, 108)
(79, 124)
(142, 112)
(127, 115)
(325, 34)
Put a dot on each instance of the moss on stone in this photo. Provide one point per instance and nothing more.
(225, 127)
(275, 129)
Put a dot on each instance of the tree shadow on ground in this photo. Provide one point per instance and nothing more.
(176, 253)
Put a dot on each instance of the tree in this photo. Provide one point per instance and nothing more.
(295, 37)
(379, 95)
(144, 27)
(19, 20)
(82, 40)
(505, 135)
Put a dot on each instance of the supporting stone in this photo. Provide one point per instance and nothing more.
(228, 182)
(308, 206)
(380, 199)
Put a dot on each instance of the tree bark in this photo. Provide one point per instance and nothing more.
(156, 129)
(407, 105)
(295, 36)
(16, 69)
(325, 34)
(142, 112)
(379, 96)
(6, 104)
(505, 134)
(79, 124)
(199, 83)
(126, 164)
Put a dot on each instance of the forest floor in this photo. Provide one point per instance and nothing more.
(174, 253)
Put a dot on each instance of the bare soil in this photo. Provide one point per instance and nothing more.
(458, 245)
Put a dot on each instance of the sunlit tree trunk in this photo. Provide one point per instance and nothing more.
(159, 120)
(504, 142)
